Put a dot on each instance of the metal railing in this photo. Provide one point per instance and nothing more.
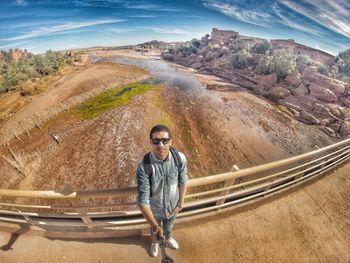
(103, 211)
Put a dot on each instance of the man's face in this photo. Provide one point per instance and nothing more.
(161, 143)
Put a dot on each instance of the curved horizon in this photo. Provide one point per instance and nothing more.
(61, 25)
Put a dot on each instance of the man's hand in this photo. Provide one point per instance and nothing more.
(157, 231)
(176, 210)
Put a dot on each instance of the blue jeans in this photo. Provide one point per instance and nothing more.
(166, 223)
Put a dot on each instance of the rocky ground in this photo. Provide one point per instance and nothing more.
(311, 97)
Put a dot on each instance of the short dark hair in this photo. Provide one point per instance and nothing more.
(159, 128)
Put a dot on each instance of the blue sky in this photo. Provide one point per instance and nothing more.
(40, 25)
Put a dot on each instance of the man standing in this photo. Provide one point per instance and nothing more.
(161, 186)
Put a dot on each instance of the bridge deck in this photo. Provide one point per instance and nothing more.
(309, 224)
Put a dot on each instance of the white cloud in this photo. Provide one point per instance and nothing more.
(292, 24)
(248, 16)
(60, 28)
(122, 30)
(164, 30)
(148, 6)
(332, 14)
(13, 45)
(143, 16)
(142, 5)
(21, 3)
(159, 30)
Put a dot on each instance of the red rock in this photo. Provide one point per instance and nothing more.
(328, 131)
(278, 93)
(347, 90)
(269, 80)
(325, 122)
(261, 90)
(345, 102)
(293, 78)
(308, 118)
(335, 86)
(291, 106)
(311, 76)
(335, 126)
(322, 93)
(308, 100)
(345, 129)
(291, 102)
(337, 110)
(322, 111)
(300, 91)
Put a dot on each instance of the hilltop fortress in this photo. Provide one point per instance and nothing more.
(18, 53)
(222, 37)
(15, 54)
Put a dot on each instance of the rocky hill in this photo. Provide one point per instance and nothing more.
(311, 97)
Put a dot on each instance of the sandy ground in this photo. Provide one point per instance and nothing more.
(310, 224)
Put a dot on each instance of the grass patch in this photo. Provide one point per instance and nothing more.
(112, 99)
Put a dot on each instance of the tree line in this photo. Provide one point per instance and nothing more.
(31, 67)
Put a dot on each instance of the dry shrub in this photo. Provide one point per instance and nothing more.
(30, 88)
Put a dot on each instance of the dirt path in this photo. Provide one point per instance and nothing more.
(310, 224)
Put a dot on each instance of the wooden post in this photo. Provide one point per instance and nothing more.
(227, 184)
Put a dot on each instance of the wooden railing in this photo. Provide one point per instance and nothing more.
(100, 213)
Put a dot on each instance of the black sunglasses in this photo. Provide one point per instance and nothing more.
(163, 140)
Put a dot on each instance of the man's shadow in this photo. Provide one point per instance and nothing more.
(143, 241)
(14, 237)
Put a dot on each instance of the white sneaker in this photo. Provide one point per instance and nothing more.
(172, 243)
(154, 249)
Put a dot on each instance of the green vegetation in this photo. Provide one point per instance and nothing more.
(282, 62)
(237, 45)
(189, 48)
(112, 99)
(305, 60)
(262, 48)
(265, 65)
(241, 59)
(343, 62)
(323, 69)
(185, 49)
(14, 72)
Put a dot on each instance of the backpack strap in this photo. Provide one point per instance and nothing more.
(147, 164)
(148, 169)
(177, 160)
